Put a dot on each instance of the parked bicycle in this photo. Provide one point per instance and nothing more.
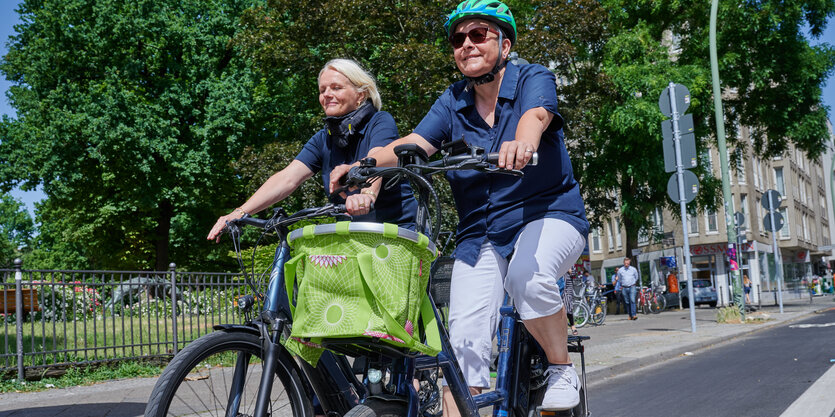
(243, 370)
(651, 300)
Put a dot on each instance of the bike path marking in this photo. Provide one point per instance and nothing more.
(808, 325)
(817, 400)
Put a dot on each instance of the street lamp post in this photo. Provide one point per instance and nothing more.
(723, 161)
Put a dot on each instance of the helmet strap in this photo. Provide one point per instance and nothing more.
(490, 76)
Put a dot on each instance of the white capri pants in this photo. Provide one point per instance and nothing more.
(545, 250)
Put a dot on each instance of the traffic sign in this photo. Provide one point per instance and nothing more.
(778, 221)
(739, 219)
(775, 196)
(689, 158)
(682, 100)
(691, 186)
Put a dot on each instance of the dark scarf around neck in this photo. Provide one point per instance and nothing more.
(344, 129)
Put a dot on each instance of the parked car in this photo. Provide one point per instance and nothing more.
(703, 293)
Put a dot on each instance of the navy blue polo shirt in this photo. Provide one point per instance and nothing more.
(397, 205)
(495, 207)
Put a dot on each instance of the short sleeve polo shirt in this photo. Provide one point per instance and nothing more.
(495, 207)
(320, 154)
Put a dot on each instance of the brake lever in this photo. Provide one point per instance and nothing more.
(513, 172)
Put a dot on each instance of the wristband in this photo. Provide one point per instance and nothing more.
(242, 211)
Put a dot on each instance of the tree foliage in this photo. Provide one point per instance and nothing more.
(145, 120)
(129, 114)
(16, 229)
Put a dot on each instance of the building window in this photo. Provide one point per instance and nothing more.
(643, 237)
(759, 210)
(785, 232)
(825, 236)
(618, 237)
(658, 220)
(740, 171)
(611, 236)
(802, 185)
(711, 225)
(799, 230)
(693, 224)
(756, 173)
(822, 204)
(743, 203)
(595, 239)
(779, 182)
(805, 227)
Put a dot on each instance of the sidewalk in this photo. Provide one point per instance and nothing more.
(617, 347)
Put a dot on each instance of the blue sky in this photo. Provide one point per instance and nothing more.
(8, 18)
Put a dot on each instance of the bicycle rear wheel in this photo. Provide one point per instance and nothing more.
(598, 314)
(660, 302)
(581, 315)
(223, 368)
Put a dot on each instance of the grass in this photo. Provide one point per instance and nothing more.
(76, 376)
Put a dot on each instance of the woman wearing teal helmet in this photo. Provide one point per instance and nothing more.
(514, 234)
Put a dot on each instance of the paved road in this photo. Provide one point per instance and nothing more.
(757, 375)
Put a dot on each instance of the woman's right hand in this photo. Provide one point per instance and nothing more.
(220, 224)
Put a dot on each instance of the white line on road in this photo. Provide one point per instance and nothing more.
(806, 326)
(817, 400)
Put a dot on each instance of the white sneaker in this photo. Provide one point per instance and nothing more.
(563, 392)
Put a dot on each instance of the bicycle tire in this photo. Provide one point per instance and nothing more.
(581, 315)
(598, 315)
(653, 304)
(661, 301)
(375, 407)
(197, 382)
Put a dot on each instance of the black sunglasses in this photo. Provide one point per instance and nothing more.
(477, 35)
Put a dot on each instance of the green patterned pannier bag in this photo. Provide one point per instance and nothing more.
(368, 280)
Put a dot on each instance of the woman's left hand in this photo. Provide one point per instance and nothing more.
(359, 204)
(516, 154)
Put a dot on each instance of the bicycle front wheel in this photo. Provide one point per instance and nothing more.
(220, 371)
(661, 301)
(581, 315)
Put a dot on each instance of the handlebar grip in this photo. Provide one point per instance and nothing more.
(493, 158)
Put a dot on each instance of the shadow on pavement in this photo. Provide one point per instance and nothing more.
(123, 409)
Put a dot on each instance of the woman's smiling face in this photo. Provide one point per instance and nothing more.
(337, 95)
(475, 59)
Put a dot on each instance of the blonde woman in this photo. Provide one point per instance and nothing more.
(354, 128)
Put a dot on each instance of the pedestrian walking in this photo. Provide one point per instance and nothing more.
(618, 290)
(628, 278)
(746, 286)
(567, 293)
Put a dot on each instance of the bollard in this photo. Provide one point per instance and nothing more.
(173, 268)
(759, 298)
(18, 286)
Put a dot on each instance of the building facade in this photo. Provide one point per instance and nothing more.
(804, 242)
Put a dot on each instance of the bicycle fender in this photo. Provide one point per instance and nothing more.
(237, 328)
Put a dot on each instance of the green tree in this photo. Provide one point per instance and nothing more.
(129, 114)
(16, 229)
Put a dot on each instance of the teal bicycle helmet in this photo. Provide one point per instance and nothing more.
(490, 10)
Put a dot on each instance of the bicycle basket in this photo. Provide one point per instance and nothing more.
(359, 280)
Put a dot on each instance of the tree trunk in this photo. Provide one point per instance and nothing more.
(163, 234)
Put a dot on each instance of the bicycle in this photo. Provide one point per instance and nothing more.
(285, 385)
(597, 305)
(650, 301)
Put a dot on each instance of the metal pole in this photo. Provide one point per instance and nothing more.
(18, 286)
(683, 206)
(777, 264)
(723, 161)
(173, 268)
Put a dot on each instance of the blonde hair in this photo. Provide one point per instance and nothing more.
(360, 78)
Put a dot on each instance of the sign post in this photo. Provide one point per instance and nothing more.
(773, 222)
(673, 102)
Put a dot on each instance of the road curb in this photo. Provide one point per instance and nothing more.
(601, 375)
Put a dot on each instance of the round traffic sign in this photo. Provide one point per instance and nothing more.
(682, 100)
(778, 221)
(691, 186)
(775, 197)
(739, 219)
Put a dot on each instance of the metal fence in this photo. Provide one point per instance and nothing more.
(53, 319)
